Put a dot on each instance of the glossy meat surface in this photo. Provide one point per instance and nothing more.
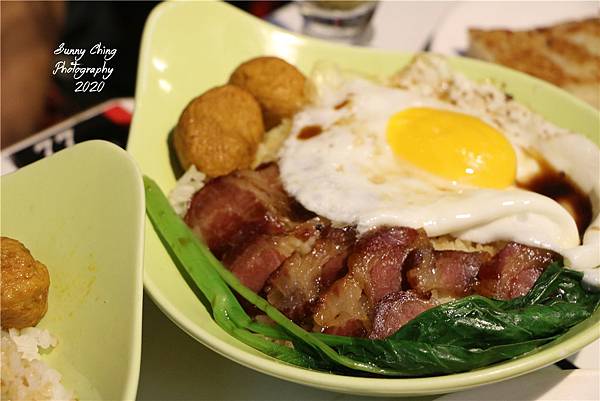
(453, 274)
(295, 287)
(395, 310)
(513, 270)
(374, 270)
(255, 260)
(230, 209)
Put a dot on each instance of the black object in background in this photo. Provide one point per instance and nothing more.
(117, 25)
(109, 121)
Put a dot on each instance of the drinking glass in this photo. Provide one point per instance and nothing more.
(345, 21)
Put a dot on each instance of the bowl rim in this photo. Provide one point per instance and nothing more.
(341, 383)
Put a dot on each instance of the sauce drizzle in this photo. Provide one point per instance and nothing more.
(342, 104)
(557, 185)
(310, 131)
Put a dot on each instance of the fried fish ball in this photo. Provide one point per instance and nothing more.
(219, 131)
(277, 85)
(25, 282)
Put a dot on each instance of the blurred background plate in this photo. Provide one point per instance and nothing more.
(451, 35)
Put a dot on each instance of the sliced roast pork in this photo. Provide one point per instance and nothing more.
(297, 284)
(343, 309)
(253, 261)
(395, 310)
(513, 271)
(453, 274)
(374, 271)
(231, 209)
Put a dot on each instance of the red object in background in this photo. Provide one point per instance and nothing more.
(263, 8)
(118, 115)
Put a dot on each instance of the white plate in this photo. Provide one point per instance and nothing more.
(451, 36)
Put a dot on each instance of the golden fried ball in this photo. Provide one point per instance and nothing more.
(276, 84)
(219, 131)
(25, 283)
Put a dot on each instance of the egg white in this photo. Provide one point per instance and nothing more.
(349, 174)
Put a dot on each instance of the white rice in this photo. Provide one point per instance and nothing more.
(181, 195)
(268, 149)
(24, 375)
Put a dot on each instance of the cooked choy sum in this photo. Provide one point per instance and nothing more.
(457, 336)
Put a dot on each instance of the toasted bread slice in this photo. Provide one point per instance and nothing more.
(567, 55)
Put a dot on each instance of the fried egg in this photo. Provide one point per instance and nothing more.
(368, 154)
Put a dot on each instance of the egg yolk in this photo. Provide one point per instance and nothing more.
(452, 145)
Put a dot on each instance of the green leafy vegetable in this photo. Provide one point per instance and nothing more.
(476, 331)
(457, 336)
(188, 253)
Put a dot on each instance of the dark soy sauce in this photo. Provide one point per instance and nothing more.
(310, 131)
(557, 185)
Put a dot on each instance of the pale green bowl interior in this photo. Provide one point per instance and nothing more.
(189, 47)
(81, 213)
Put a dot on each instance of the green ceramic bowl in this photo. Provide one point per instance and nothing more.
(81, 213)
(189, 47)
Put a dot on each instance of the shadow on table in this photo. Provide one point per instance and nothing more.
(176, 367)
